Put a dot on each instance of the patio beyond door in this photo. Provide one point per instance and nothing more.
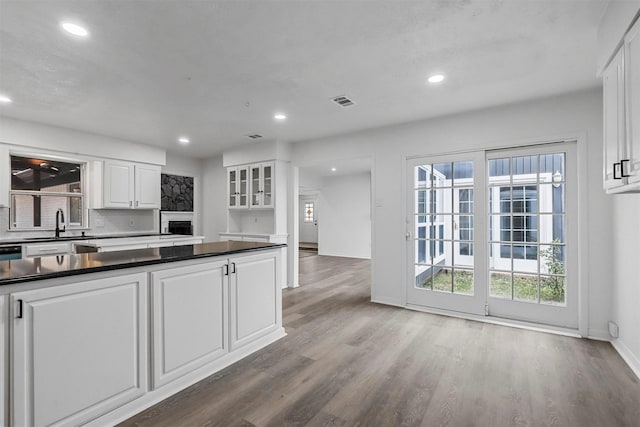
(493, 233)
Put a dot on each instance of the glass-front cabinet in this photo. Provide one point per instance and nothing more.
(262, 185)
(238, 186)
(250, 186)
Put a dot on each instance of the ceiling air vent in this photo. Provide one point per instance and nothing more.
(254, 136)
(343, 101)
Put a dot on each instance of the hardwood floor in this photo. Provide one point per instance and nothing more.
(349, 362)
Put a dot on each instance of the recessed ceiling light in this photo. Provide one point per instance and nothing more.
(333, 169)
(280, 116)
(436, 78)
(184, 140)
(5, 99)
(74, 29)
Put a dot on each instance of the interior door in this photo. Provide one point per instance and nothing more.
(308, 220)
(444, 226)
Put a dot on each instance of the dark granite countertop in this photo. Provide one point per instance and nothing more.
(30, 269)
(23, 240)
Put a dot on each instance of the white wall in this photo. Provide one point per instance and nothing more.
(625, 286)
(570, 115)
(31, 134)
(344, 221)
(214, 198)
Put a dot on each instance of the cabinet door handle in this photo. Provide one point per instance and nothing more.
(130, 203)
(226, 269)
(234, 268)
(19, 314)
(624, 174)
(617, 167)
(137, 203)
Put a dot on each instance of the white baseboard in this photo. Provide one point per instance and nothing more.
(599, 335)
(155, 396)
(387, 302)
(627, 355)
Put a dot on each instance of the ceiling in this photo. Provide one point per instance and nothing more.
(216, 71)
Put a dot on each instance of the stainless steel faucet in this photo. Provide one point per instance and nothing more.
(59, 216)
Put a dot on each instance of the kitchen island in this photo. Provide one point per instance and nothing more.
(95, 338)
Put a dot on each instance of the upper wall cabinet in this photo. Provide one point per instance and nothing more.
(125, 185)
(238, 187)
(621, 84)
(250, 186)
(261, 185)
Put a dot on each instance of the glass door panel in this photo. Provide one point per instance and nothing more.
(255, 186)
(267, 185)
(442, 233)
(527, 209)
(242, 194)
(233, 182)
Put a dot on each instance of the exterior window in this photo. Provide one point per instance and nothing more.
(519, 201)
(40, 187)
(308, 212)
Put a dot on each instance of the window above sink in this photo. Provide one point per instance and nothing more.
(42, 185)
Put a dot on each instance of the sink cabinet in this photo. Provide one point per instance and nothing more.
(78, 350)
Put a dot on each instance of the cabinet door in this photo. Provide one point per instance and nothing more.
(613, 87)
(255, 297)
(147, 184)
(118, 184)
(267, 185)
(632, 90)
(232, 186)
(255, 173)
(243, 187)
(79, 351)
(189, 319)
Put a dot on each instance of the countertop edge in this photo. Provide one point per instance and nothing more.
(123, 266)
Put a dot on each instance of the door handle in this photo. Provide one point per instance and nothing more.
(19, 314)
(226, 269)
(130, 203)
(137, 203)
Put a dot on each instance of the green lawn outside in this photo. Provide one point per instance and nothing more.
(525, 287)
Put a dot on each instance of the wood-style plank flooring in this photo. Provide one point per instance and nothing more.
(349, 362)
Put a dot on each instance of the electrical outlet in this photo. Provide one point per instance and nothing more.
(613, 330)
(132, 222)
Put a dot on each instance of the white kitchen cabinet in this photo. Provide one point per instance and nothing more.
(238, 187)
(632, 90)
(147, 186)
(251, 186)
(189, 312)
(614, 123)
(126, 185)
(621, 124)
(255, 297)
(261, 176)
(78, 350)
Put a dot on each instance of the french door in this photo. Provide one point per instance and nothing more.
(444, 230)
(494, 232)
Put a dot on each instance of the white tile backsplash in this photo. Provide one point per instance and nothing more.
(111, 221)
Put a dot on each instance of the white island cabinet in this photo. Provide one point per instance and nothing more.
(189, 299)
(78, 350)
(97, 348)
